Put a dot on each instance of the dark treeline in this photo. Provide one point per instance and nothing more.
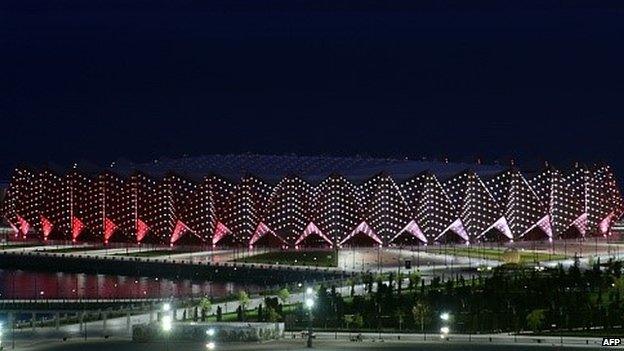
(509, 300)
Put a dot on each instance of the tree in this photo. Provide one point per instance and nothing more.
(535, 319)
(358, 321)
(283, 295)
(323, 306)
(272, 315)
(420, 311)
(205, 305)
(369, 283)
(618, 284)
(243, 301)
(399, 315)
(348, 319)
(239, 314)
(351, 283)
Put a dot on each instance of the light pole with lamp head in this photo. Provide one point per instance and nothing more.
(309, 304)
(210, 345)
(167, 323)
(445, 317)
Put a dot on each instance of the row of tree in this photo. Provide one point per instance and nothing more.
(513, 300)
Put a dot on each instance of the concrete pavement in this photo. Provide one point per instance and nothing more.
(339, 341)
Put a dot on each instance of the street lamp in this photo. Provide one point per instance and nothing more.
(309, 302)
(444, 332)
(210, 345)
(167, 323)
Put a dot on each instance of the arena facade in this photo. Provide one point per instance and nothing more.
(291, 201)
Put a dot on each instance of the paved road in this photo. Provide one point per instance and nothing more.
(121, 326)
(370, 259)
(292, 345)
(35, 248)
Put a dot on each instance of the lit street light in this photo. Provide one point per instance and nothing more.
(309, 304)
(444, 332)
(167, 323)
(210, 345)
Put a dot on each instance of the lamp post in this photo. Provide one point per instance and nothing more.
(444, 332)
(445, 317)
(210, 345)
(309, 304)
(167, 323)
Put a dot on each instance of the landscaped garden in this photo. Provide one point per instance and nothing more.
(317, 258)
(74, 249)
(152, 253)
(497, 254)
(554, 301)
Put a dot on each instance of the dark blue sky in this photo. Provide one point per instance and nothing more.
(99, 80)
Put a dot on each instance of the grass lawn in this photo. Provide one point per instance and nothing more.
(250, 315)
(294, 258)
(152, 253)
(74, 249)
(496, 254)
(17, 245)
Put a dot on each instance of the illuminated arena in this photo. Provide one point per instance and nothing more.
(293, 201)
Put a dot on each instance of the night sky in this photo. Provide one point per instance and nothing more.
(99, 80)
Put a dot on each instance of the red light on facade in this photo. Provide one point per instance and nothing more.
(141, 230)
(109, 229)
(77, 227)
(179, 229)
(24, 226)
(46, 226)
(220, 231)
